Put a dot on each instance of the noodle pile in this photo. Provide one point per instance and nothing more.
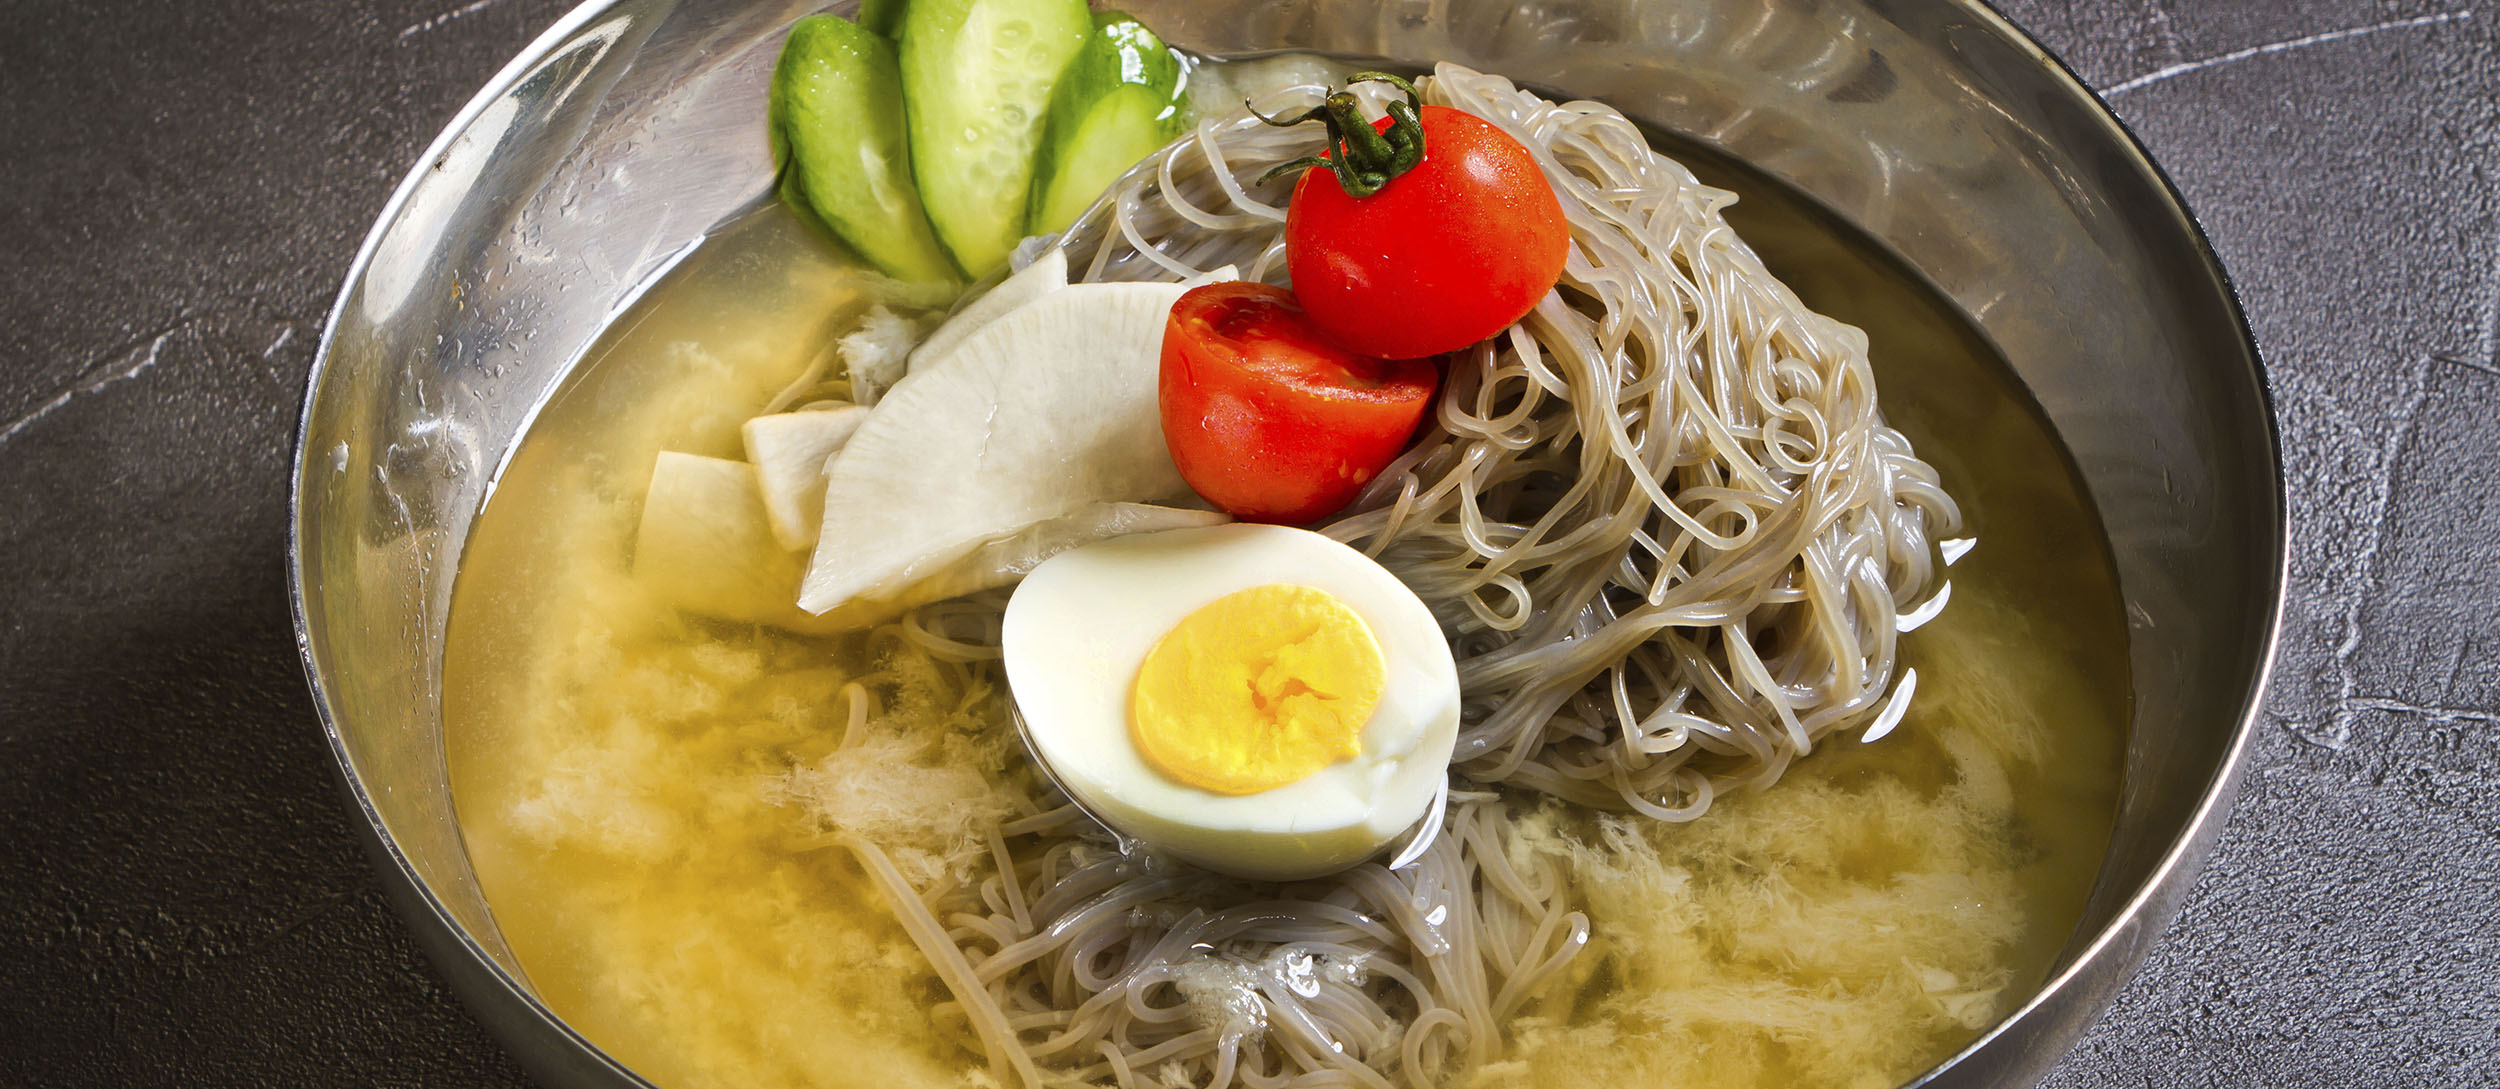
(1672, 541)
(1668, 532)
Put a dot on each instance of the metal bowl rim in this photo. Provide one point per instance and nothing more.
(2221, 788)
(377, 835)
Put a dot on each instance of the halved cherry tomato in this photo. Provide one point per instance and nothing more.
(1435, 254)
(1270, 419)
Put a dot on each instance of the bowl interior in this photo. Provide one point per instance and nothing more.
(601, 156)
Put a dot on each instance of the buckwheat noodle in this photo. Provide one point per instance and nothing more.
(1670, 537)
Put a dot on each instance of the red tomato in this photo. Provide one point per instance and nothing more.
(1445, 255)
(1270, 419)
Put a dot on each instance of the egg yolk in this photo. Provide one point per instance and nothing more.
(1257, 689)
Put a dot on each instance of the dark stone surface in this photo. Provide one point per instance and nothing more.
(182, 185)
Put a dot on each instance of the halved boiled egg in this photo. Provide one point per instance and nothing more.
(1255, 699)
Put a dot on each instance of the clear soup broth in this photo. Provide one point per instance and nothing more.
(618, 766)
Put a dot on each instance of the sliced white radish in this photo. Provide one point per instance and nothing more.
(1005, 561)
(789, 451)
(706, 546)
(1047, 273)
(1042, 413)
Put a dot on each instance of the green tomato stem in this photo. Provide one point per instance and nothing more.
(1363, 158)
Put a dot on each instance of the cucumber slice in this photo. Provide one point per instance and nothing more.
(1120, 100)
(883, 16)
(978, 75)
(836, 116)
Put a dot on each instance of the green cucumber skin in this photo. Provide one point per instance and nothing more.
(883, 16)
(1122, 98)
(836, 116)
(977, 77)
(1117, 131)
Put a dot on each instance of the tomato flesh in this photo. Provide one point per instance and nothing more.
(1445, 255)
(1271, 419)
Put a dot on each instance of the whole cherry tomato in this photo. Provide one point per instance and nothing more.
(1270, 419)
(1422, 233)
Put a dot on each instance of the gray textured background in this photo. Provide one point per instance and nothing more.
(182, 183)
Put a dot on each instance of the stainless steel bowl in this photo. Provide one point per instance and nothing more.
(600, 156)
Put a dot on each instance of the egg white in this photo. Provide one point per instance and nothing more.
(1079, 627)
